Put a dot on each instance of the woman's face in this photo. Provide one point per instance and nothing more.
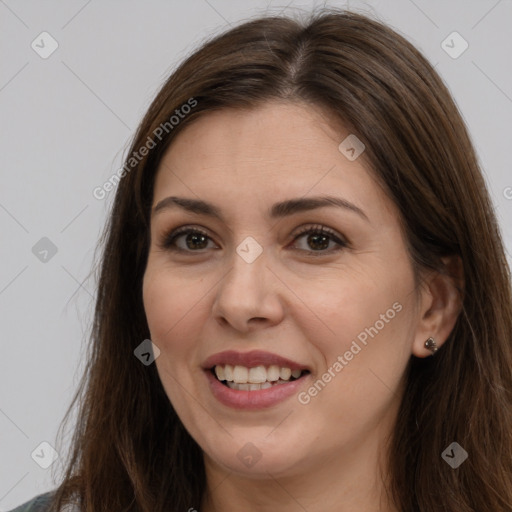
(256, 296)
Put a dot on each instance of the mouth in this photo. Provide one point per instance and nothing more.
(256, 378)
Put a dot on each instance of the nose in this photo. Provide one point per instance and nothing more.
(248, 295)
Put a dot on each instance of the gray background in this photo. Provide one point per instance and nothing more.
(66, 124)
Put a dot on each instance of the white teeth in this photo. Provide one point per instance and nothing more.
(273, 373)
(240, 374)
(251, 387)
(257, 375)
(285, 373)
(219, 371)
(228, 372)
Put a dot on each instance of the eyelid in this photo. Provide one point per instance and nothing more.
(170, 236)
(321, 228)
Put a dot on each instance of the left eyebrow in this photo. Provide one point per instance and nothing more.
(278, 210)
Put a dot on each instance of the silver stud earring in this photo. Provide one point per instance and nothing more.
(430, 344)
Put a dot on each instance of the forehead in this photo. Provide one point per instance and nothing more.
(273, 133)
(274, 151)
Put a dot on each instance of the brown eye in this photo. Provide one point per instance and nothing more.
(318, 239)
(194, 240)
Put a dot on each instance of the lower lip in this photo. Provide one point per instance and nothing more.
(258, 399)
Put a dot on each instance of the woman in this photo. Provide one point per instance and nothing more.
(303, 232)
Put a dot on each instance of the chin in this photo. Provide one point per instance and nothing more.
(256, 457)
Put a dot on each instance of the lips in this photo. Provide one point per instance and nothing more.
(251, 360)
(253, 379)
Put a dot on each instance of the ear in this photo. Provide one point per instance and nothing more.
(440, 302)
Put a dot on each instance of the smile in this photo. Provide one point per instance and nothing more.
(256, 378)
(253, 380)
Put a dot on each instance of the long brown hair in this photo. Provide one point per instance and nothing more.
(130, 451)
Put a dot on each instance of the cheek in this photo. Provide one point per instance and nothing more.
(167, 297)
(172, 309)
(364, 364)
(335, 311)
(367, 321)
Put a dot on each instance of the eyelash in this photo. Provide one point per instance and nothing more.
(168, 242)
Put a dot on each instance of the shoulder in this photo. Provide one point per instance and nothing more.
(39, 503)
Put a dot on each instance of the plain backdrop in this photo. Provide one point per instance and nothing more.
(67, 120)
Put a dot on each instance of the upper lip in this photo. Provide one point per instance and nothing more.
(251, 359)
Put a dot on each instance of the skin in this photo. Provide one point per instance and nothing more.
(306, 305)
